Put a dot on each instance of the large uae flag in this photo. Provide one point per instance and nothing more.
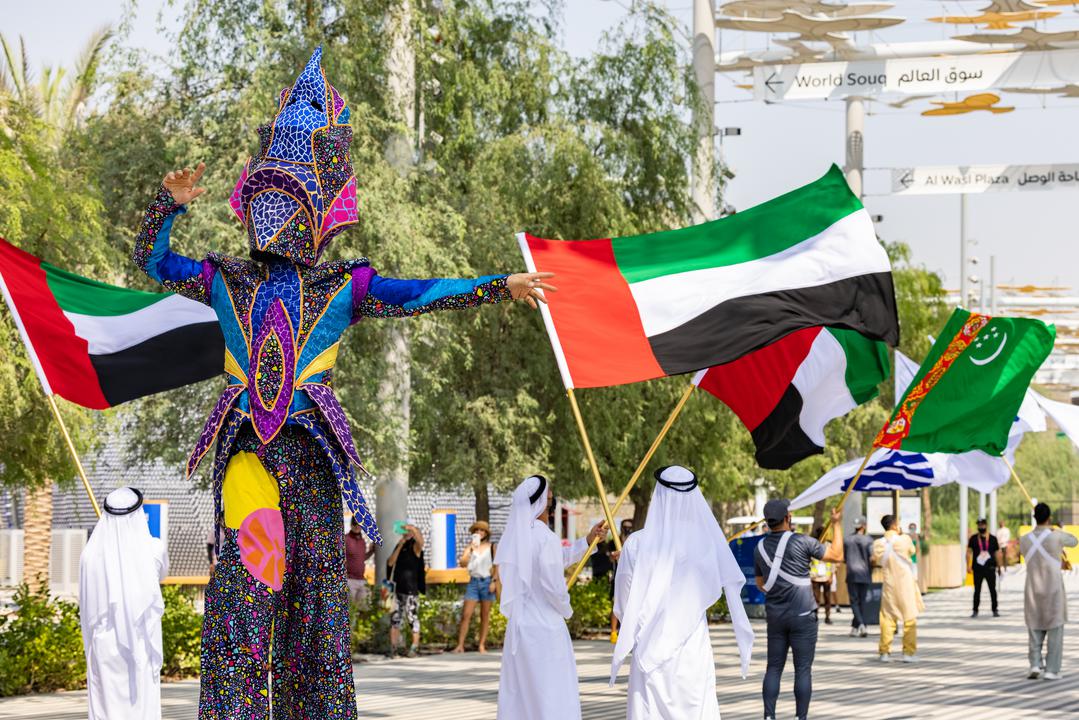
(99, 345)
(787, 392)
(634, 308)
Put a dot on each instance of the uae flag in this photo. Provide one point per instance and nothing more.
(635, 308)
(99, 345)
(787, 392)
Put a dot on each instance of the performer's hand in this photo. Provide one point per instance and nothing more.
(615, 554)
(181, 184)
(837, 515)
(527, 286)
(598, 532)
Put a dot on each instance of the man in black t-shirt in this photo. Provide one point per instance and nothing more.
(985, 562)
(781, 563)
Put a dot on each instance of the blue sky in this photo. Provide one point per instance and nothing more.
(1033, 235)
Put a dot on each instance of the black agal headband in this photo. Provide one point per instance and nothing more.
(678, 486)
(539, 491)
(125, 511)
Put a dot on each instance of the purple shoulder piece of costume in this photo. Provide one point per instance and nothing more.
(213, 424)
(334, 414)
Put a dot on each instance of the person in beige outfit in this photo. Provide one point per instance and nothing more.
(1045, 604)
(901, 601)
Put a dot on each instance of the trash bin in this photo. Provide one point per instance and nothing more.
(752, 598)
(871, 614)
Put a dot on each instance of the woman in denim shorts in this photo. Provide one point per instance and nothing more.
(478, 557)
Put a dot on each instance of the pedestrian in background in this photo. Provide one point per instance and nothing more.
(406, 570)
(822, 574)
(357, 552)
(612, 552)
(984, 561)
(900, 599)
(857, 549)
(1045, 604)
(479, 558)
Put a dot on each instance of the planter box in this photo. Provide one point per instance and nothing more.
(944, 566)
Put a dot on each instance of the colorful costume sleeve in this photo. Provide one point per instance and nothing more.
(389, 297)
(177, 273)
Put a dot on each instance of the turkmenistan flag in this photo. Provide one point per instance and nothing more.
(99, 345)
(968, 390)
(787, 392)
(635, 308)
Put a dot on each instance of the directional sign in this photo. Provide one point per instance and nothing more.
(945, 179)
(909, 76)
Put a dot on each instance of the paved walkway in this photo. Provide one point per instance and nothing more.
(969, 668)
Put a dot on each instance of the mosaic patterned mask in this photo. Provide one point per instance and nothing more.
(300, 191)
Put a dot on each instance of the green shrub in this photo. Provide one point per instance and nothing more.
(719, 611)
(181, 633)
(591, 602)
(41, 645)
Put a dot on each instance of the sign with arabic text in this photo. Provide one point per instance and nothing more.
(945, 179)
(912, 76)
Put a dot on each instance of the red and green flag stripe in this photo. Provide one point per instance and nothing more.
(645, 306)
(99, 345)
(787, 392)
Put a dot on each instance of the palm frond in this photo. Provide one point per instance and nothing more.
(84, 78)
(11, 74)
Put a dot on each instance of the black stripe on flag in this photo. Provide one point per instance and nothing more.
(726, 332)
(181, 356)
(779, 439)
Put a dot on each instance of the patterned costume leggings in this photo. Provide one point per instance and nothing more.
(278, 598)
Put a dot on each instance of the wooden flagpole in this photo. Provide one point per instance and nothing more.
(74, 455)
(828, 527)
(633, 481)
(748, 528)
(595, 469)
(1015, 476)
(842, 501)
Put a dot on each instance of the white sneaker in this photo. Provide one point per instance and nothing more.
(1034, 673)
(862, 632)
(910, 658)
(1050, 676)
(885, 657)
(854, 632)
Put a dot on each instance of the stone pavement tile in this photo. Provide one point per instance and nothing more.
(969, 668)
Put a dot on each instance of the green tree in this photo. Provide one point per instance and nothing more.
(46, 209)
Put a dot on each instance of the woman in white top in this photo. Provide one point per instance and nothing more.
(478, 557)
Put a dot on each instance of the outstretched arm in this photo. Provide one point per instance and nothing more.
(152, 254)
(390, 297)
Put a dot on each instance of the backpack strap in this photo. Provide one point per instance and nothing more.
(775, 566)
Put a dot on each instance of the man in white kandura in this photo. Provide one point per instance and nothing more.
(669, 574)
(120, 609)
(539, 672)
(1045, 604)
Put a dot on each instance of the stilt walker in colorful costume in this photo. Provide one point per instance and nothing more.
(278, 599)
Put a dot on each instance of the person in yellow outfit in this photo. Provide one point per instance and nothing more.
(901, 601)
